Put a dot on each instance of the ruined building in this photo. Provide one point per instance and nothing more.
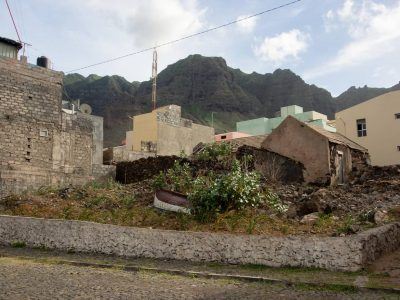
(40, 144)
(327, 157)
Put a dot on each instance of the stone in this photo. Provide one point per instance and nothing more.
(40, 143)
(381, 216)
(310, 219)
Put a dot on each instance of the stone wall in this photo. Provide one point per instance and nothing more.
(350, 253)
(273, 166)
(39, 142)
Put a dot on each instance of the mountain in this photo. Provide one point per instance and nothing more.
(202, 85)
(354, 96)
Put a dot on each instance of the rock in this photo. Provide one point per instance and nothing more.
(291, 213)
(380, 217)
(314, 204)
(321, 193)
(354, 228)
(310, 219)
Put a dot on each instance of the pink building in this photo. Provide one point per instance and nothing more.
(230, 136)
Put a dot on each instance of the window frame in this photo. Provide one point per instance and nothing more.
(361, 132)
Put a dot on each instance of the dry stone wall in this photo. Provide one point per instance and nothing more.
(350, 253)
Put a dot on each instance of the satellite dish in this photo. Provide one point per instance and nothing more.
(86, 109)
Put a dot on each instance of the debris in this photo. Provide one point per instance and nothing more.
(310, 219)
(381, 216)
(171, 201)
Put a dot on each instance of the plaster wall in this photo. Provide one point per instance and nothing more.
(300, 143)
(230, 136)
(144, 130)
(383, 129)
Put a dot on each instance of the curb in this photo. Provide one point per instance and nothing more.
(210, 275)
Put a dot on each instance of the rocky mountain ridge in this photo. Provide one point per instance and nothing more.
(202, 85)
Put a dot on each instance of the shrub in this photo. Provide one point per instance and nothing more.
(178, 178)
(215, 152)
(18, 244)
(235, 190)
(274, 202)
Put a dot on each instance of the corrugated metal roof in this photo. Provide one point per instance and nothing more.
(16, 44)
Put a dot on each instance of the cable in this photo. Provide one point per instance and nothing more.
(185, 37)
(12, 18)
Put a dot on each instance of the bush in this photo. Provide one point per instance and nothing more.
(215, 152)
(178, 178)
(235, 190)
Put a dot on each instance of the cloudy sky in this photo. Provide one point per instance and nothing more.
(332, 43)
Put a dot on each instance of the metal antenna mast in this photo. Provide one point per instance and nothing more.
(154, 78)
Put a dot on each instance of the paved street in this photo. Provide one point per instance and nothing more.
(27, 279)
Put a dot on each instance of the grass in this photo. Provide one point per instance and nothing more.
(131, 205)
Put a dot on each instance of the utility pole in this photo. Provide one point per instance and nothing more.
(154, 78)
(212, 119)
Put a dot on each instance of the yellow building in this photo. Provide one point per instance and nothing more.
(374, 124)
(164, 132)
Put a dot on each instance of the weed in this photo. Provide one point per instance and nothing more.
(346, 226)
(252, 224)
(18, 244)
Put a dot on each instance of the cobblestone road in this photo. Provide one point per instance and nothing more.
(25, 279)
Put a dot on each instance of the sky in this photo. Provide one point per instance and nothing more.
(333, 44)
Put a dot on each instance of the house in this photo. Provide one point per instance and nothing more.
(265, 125)
(230, 136)
(374, 124)
(327, 157)
(40, 143)
(164, 132)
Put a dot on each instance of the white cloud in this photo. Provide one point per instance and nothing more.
(248, 25)
(151, 22)
(373, 30)
(287, 45)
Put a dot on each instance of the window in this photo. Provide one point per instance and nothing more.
(223, 137)
(361, 127)
(397, 116)
(398, 148)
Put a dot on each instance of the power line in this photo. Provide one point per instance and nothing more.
(12, 18)
(186, 37)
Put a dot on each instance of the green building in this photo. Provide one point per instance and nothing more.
(266, 125)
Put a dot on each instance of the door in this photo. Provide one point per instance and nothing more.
(340, 167)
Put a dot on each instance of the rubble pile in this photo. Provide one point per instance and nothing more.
(376, 192)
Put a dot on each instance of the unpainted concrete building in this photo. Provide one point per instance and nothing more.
(164, 132)
(327, 157)
(40, 144)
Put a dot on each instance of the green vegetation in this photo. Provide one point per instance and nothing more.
(212, 192)
(18, 244)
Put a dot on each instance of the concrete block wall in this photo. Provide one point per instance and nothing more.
(350, 253)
